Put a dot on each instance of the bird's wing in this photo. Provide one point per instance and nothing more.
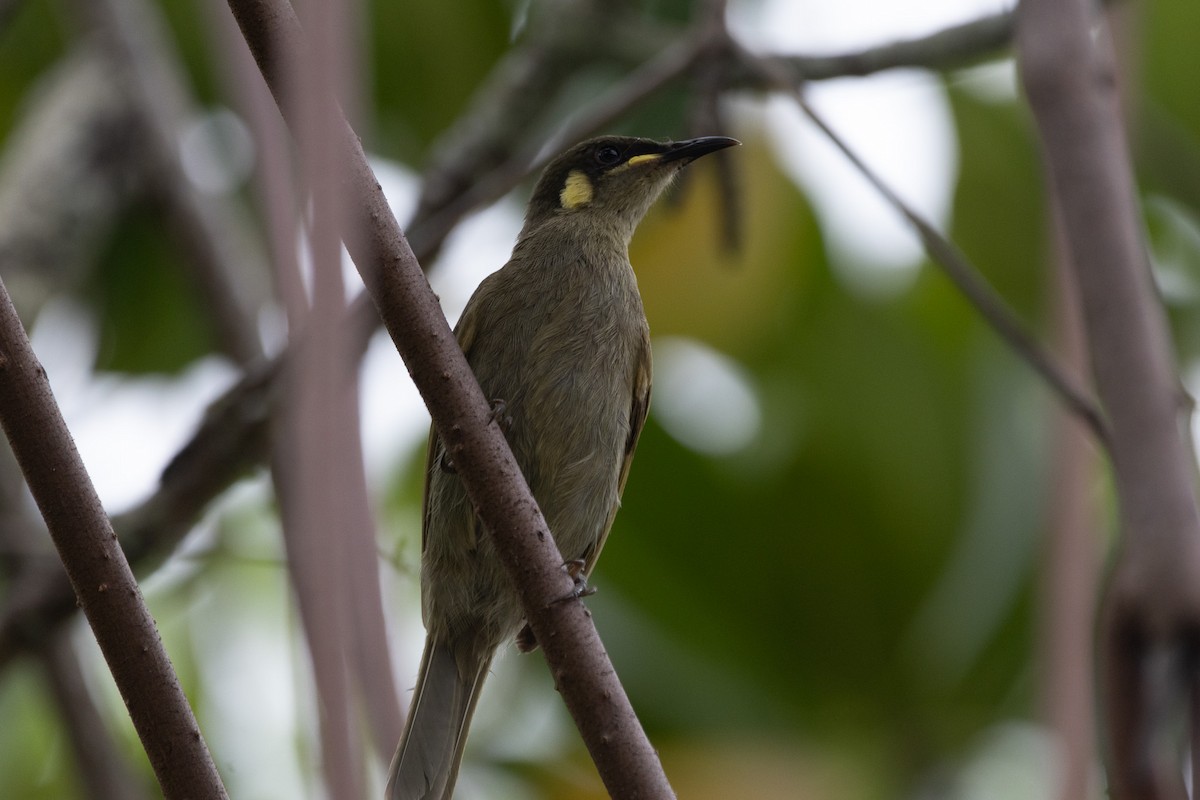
(465, 332)
(639, 406)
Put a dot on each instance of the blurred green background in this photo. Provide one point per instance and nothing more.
(842, 603)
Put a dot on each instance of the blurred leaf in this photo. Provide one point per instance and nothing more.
(34, 751)
(29, 44)
(151, 317)
(426, 60)
(1000, 220)
(737, 303)
(1169, 55)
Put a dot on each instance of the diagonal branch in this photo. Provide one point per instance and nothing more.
(641, 84)
(98, 570)
(960, 271)
(951, 48)
(583, 673)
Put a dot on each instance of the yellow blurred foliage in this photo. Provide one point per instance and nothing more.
(693, 286)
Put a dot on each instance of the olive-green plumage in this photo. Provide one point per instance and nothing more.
(558, 334)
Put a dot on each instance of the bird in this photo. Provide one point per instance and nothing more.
(558, 338)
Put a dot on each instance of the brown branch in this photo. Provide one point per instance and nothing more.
(369, 659)
(1152, 608)
(584, 675)
(98, 570)
(560, 38)
(951, 48)
(526, 157)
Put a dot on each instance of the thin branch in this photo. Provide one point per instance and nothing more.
(707, 116)
(1152, 606)
(951, 48)
(98, 570)
(961, 273)
(583, 673)
(561, 37)
(641, 84)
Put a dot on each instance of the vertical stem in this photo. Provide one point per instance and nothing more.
(1152, 607)
(1070, 574)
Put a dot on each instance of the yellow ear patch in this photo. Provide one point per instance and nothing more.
(577, 191)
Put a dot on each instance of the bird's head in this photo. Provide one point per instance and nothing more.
(613, 179)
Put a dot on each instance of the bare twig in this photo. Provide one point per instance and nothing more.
(98, 570)
(560, 37)
(961, 273)
(525, 158)
(951, 48)
(710, 81)
(1152, 608)
(624, 757)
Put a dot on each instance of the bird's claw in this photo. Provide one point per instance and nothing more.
(526, 640)
(575, 569)
(498, 416)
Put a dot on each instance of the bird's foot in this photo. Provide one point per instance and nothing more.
(446, 464)
(574, 568)
(526, 639)
(498, 415)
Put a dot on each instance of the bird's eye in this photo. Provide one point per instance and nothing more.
(608, 155)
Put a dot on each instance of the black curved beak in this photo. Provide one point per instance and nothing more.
(692, 149)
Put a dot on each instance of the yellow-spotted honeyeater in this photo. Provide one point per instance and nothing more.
(559, 336)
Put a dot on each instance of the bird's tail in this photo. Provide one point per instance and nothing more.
(426, 763)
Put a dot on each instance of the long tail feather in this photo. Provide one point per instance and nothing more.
(426, 763)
